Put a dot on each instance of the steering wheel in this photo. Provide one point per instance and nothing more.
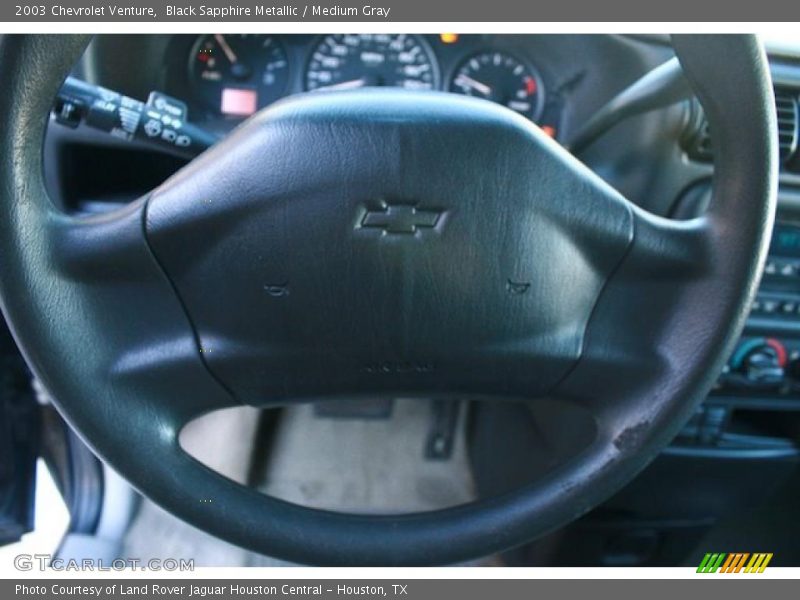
(383, 243)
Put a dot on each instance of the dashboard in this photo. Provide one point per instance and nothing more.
(236, 75)
(233, 76)
(555, 81)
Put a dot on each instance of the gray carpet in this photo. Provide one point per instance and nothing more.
(366, 466)
(350, 465)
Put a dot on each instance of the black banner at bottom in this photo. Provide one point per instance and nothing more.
(704, 586)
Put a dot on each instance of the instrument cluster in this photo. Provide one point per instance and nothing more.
(230, 77)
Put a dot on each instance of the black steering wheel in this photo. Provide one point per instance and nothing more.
(383, 243)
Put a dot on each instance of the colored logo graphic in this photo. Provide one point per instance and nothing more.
(738, 562)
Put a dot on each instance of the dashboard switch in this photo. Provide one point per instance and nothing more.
(160, 123)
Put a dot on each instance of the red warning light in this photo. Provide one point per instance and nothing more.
(239, 102)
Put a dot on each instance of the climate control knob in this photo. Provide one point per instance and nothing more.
(761, 361)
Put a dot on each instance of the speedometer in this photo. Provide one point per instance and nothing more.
(354, 61)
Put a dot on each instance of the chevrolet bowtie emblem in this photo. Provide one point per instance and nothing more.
(400, 218)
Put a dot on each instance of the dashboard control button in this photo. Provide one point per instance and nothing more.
(770, 306)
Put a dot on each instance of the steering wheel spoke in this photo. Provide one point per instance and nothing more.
(121, 316)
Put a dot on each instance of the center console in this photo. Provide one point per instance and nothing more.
(764, 369)
(766, 362)
(755, 404)
(738, 451)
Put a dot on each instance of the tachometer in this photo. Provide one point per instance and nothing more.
(501, 78)
(238, 74)
(354, 61)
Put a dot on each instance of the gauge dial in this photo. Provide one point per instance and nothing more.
(501, 78)
(238, 74)
(354, 61)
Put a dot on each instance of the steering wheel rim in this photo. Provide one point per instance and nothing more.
(102, 320)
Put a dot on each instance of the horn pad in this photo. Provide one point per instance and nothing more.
(388, 243)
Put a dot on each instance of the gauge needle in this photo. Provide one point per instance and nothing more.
(467, 81)
(226, 48)
(345, 85)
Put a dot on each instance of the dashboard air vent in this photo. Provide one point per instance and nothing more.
(697, 139)
(786, 106)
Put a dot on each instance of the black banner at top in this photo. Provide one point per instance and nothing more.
(398, 11)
